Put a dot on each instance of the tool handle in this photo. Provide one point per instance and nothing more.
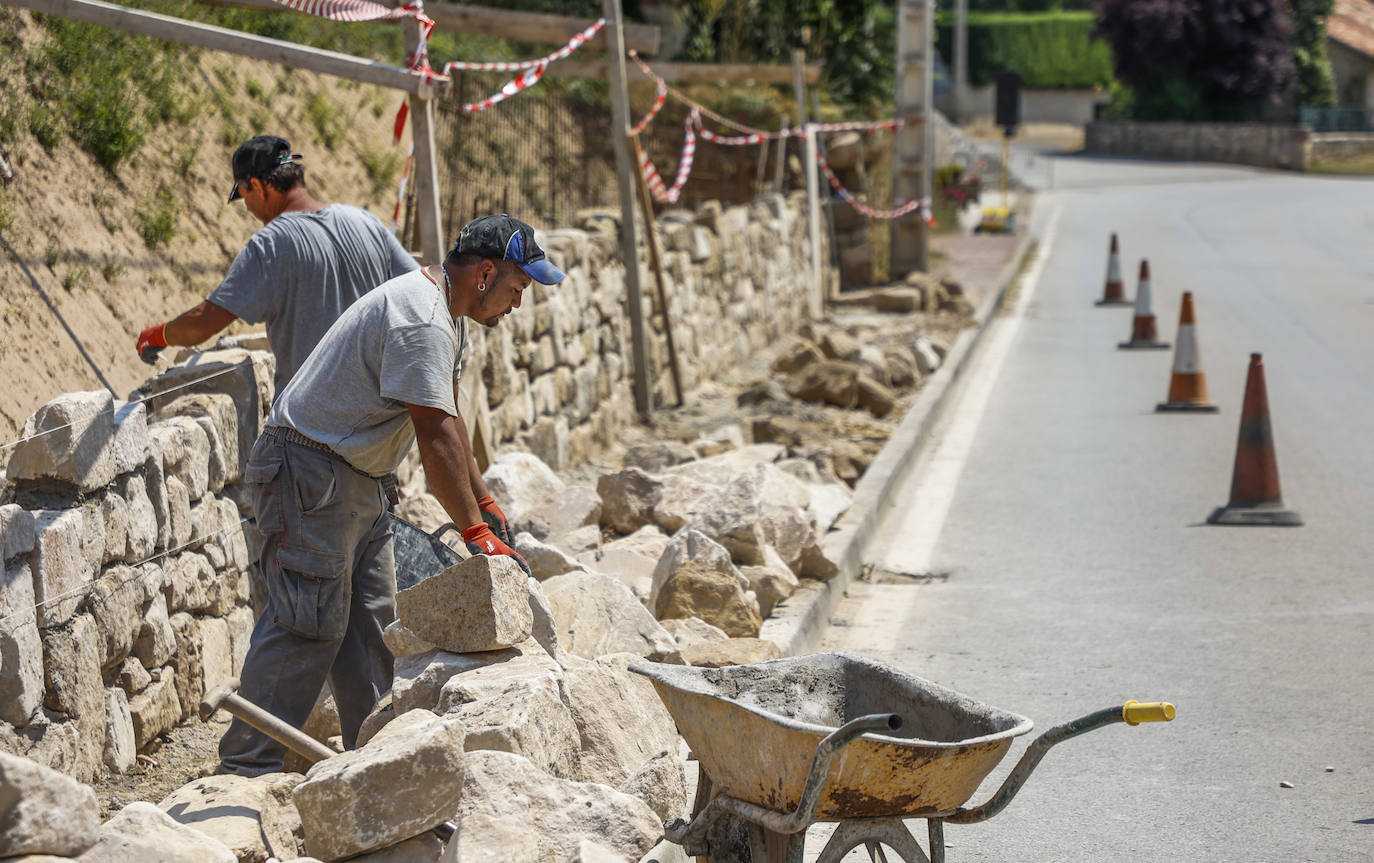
(1136, 712)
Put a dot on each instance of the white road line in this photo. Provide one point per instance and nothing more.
(927, 494)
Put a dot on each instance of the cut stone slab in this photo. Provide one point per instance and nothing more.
(574, 507)
(662, 784)
(657, 455)
(406, 780)
(688, 631)
(68, 440)
(597, 615)
(714, 596)
(425, 848)
(477, 605)
(599, 695)
(735, 651)
(483, 838)
(155, 709)
(771, 582)
(545, 560)
(631, 559)
(422, 677)
(143, 832)
(21, 649)
(254, 817)
(528, 720)
(557, 813)
(61, 568)
(628, 499)
(402, 642)
(520, 482)
(43, 811)
(17, 533)
(119, 753)
(695, 547)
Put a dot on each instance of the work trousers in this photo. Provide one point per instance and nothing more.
(327, 559)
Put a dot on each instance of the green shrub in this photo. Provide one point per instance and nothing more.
(326, 117)
(382, 168)
(157, 218)
(1049, 49)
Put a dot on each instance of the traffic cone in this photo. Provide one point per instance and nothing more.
(1144, 332)
(1255, 496)
(1115, 292)
(1187, 385)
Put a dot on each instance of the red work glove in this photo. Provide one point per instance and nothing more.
(494, 518)
(480, 540)
(151, 342)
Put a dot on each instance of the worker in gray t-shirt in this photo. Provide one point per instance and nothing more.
(298, 273)
(384, 376)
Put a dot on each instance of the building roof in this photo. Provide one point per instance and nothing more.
(1352, 24)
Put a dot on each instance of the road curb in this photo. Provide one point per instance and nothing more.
(797, 624)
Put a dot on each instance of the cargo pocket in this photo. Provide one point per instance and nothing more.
(309, 593)
(260, 476)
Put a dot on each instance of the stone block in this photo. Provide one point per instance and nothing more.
(217, 651)
(116, 601)
(21, 650)
(68, 441)
(402, 642)
(114, 511)
(662, 784)
(185, 452)
(119, 752)
(928, 358)
(407, 779)
(712, 594)
(734, 651)
(477, 605)
(221, 427)
(527, 719)
(71, 669)
(875, 397)
(520, 482)
(690, 546)
(154, 710)
(597, 615)
(60, 566)
(43, 811)
(571, 508)
(423, 680)
(796, 356)
(155, 641)
(772, 581)
(545, 561)
(143, 832)
(599, 694)
(187, 662)
(240, 622)
(548, 440)
(631, 559)
(425, 848)
(833, 382)
(629, 499)
(690, 631)
(179, 525)
(254, 817)
(246, 376)
(155, 485)
(132, 677)
(543, 629)
(17, 532)
(506, 795)
(130, 444)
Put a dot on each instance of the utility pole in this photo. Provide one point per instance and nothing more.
(422, 123)
(960, 61)
(913, 145)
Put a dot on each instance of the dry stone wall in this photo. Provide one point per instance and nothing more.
(129, 580)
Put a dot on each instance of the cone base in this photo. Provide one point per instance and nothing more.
(1263, 515)
(1187, 407)
(1142, 346)
(1115, 303)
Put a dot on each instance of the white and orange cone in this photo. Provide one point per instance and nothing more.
(1144, 329)
(1114, 294)
(1255, 495)
(1187, 385)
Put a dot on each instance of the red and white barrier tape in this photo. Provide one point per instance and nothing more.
(923, 204)
(660, 98)
(684, 166)
(514, 86)
(574, 43)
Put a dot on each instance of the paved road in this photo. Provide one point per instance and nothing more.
(1068, 517)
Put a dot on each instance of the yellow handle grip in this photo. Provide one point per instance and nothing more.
(1135, 712)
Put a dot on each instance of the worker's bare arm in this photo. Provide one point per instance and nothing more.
(198, 324)
(447, 457)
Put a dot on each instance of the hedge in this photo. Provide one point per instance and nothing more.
(1049, 49)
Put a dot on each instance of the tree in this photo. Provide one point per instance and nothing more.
(1315, 84)
(1199, 59)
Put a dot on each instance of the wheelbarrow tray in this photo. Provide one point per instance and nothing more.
(754, 728)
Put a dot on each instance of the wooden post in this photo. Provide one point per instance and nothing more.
(912, 142)
(781, 163)
(426, 166)
(646, 206)
(960, 61)
(813, 219)
(629, 246)
(799, 84)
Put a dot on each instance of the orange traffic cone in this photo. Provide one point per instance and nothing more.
(1144, 331)
(1187, 385)
(1115, 292)
(1255, 496)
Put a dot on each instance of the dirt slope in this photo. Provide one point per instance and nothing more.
(75, 226)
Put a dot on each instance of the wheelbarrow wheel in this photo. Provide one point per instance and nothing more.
(876, 834)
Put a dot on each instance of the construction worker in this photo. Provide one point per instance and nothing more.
(305, 265)
(384, 376)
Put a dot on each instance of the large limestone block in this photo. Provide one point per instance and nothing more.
(683, 497)
(43, 811)
(185, 452)
(21, 650)
(68, 440)
(528, 720)
(628, 499)
(631, 559)
(116, 601)
(119, 753)
(520, 482)
(597, 615)
(713, 595)
(656, 456)
(691, 546)
(545, 561)
(574, 507)
(220, 423)
(406, 780)
(772, 581)
(402, 642)
(62, 564)
(71, 667)
(833, 382)
(424, 511)
(246, 376)
(131, 445)
(600, 694)
(421, 678)
(143, 832)
(662, 784)
(688, 631)
(478, 605)
(557, 813)
(156, 641)
(589, 851)
(114, 511)
(425, 848)
(734, 651)
(17, 534)
(254, 817)
(483, 838)
(154, 710)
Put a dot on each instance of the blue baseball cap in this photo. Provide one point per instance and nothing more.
(503, 238)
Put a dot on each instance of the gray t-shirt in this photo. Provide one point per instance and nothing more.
(301, 270)
(395, 347)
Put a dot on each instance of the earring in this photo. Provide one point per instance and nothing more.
(482, 287)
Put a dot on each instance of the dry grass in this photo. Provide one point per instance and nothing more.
(1356, 165)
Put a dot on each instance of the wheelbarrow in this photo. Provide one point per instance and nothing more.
(836, 737)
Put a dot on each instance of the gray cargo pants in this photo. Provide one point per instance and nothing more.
(331, 589)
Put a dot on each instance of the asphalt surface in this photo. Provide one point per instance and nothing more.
(1065, 520)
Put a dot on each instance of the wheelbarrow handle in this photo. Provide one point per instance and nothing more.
(1132, 713)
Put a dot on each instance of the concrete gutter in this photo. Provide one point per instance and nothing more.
(797, 624)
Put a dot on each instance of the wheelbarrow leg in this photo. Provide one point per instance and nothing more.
(867, 832)
(765, 846)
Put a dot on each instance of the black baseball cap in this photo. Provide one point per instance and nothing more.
(258, 157)
(506, 239)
